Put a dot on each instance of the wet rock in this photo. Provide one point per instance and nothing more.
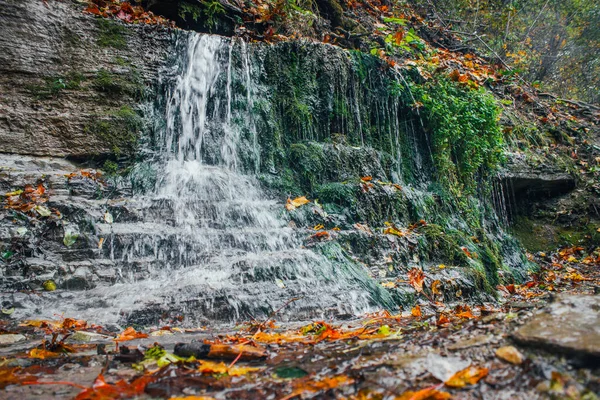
(571, 325)
(83, 336)
(10, 339)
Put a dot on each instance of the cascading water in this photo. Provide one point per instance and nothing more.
(207, 242)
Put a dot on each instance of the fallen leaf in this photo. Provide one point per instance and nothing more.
(416, 278)
(416, 311)
(435, 287)
(297, 202)
(304, 385)
(42, 354)
(130, 334)
(211, 367)
(49, 286)
(425, 394)
(468, 376)
(510, 354)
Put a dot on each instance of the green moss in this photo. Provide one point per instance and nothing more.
(307, 161)
(443, 245)
(111, 34)
(53, 86)
(110, 167)
(118, 130)
(119, 84)
(341, 194)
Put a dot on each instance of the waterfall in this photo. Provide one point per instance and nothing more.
(207, 243)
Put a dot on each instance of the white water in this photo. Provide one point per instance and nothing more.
(209, 243)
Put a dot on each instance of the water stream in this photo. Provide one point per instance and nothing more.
(208, 243)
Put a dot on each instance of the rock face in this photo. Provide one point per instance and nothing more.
(521, 180)
(71, 84)
(571, 325)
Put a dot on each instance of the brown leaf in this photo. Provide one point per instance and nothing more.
(303, 386)
(435, 287)
(416, 278)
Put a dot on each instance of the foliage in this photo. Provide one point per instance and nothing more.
(206, 11)
(553, 43)
(463, 125)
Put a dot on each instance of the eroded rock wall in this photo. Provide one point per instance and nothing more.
(70, 83)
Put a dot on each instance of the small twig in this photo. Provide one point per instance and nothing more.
(236, 360)
(55, 383)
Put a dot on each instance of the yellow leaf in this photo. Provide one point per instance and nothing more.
(211, 367)
(510, 354)
(393, 231)
(435, 287)
(42, 354)
(389, 284)
(297, 202)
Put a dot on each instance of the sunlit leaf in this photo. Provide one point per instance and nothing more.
(425, 394)
(468, 376)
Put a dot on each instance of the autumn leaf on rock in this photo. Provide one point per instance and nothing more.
(435, 287)
(42, 354)
(425, 394)
(297, 202)
(464, 311)
(468, 376)
(416, 278)
(211, 367)
(416, 311)
(306, 386)
(510, 354)
(442, 320)
(130, 334)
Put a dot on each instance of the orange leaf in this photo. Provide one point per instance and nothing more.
(297, 202)
(366, 178)
(42, 354)
(442, 320)
(435, 287)
(464, 311)
(425, 394)
(468, 376)
(130, 334)
(308, 386)
(416, 311)
(398, 36)
(416, 278)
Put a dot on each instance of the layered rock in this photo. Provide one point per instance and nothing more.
(70, 83)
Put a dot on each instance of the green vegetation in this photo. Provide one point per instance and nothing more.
(463, 124)
(553, 44)
(119, 84)
(207, 12)
(53, 86)
(111, 34)
(119, 129)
